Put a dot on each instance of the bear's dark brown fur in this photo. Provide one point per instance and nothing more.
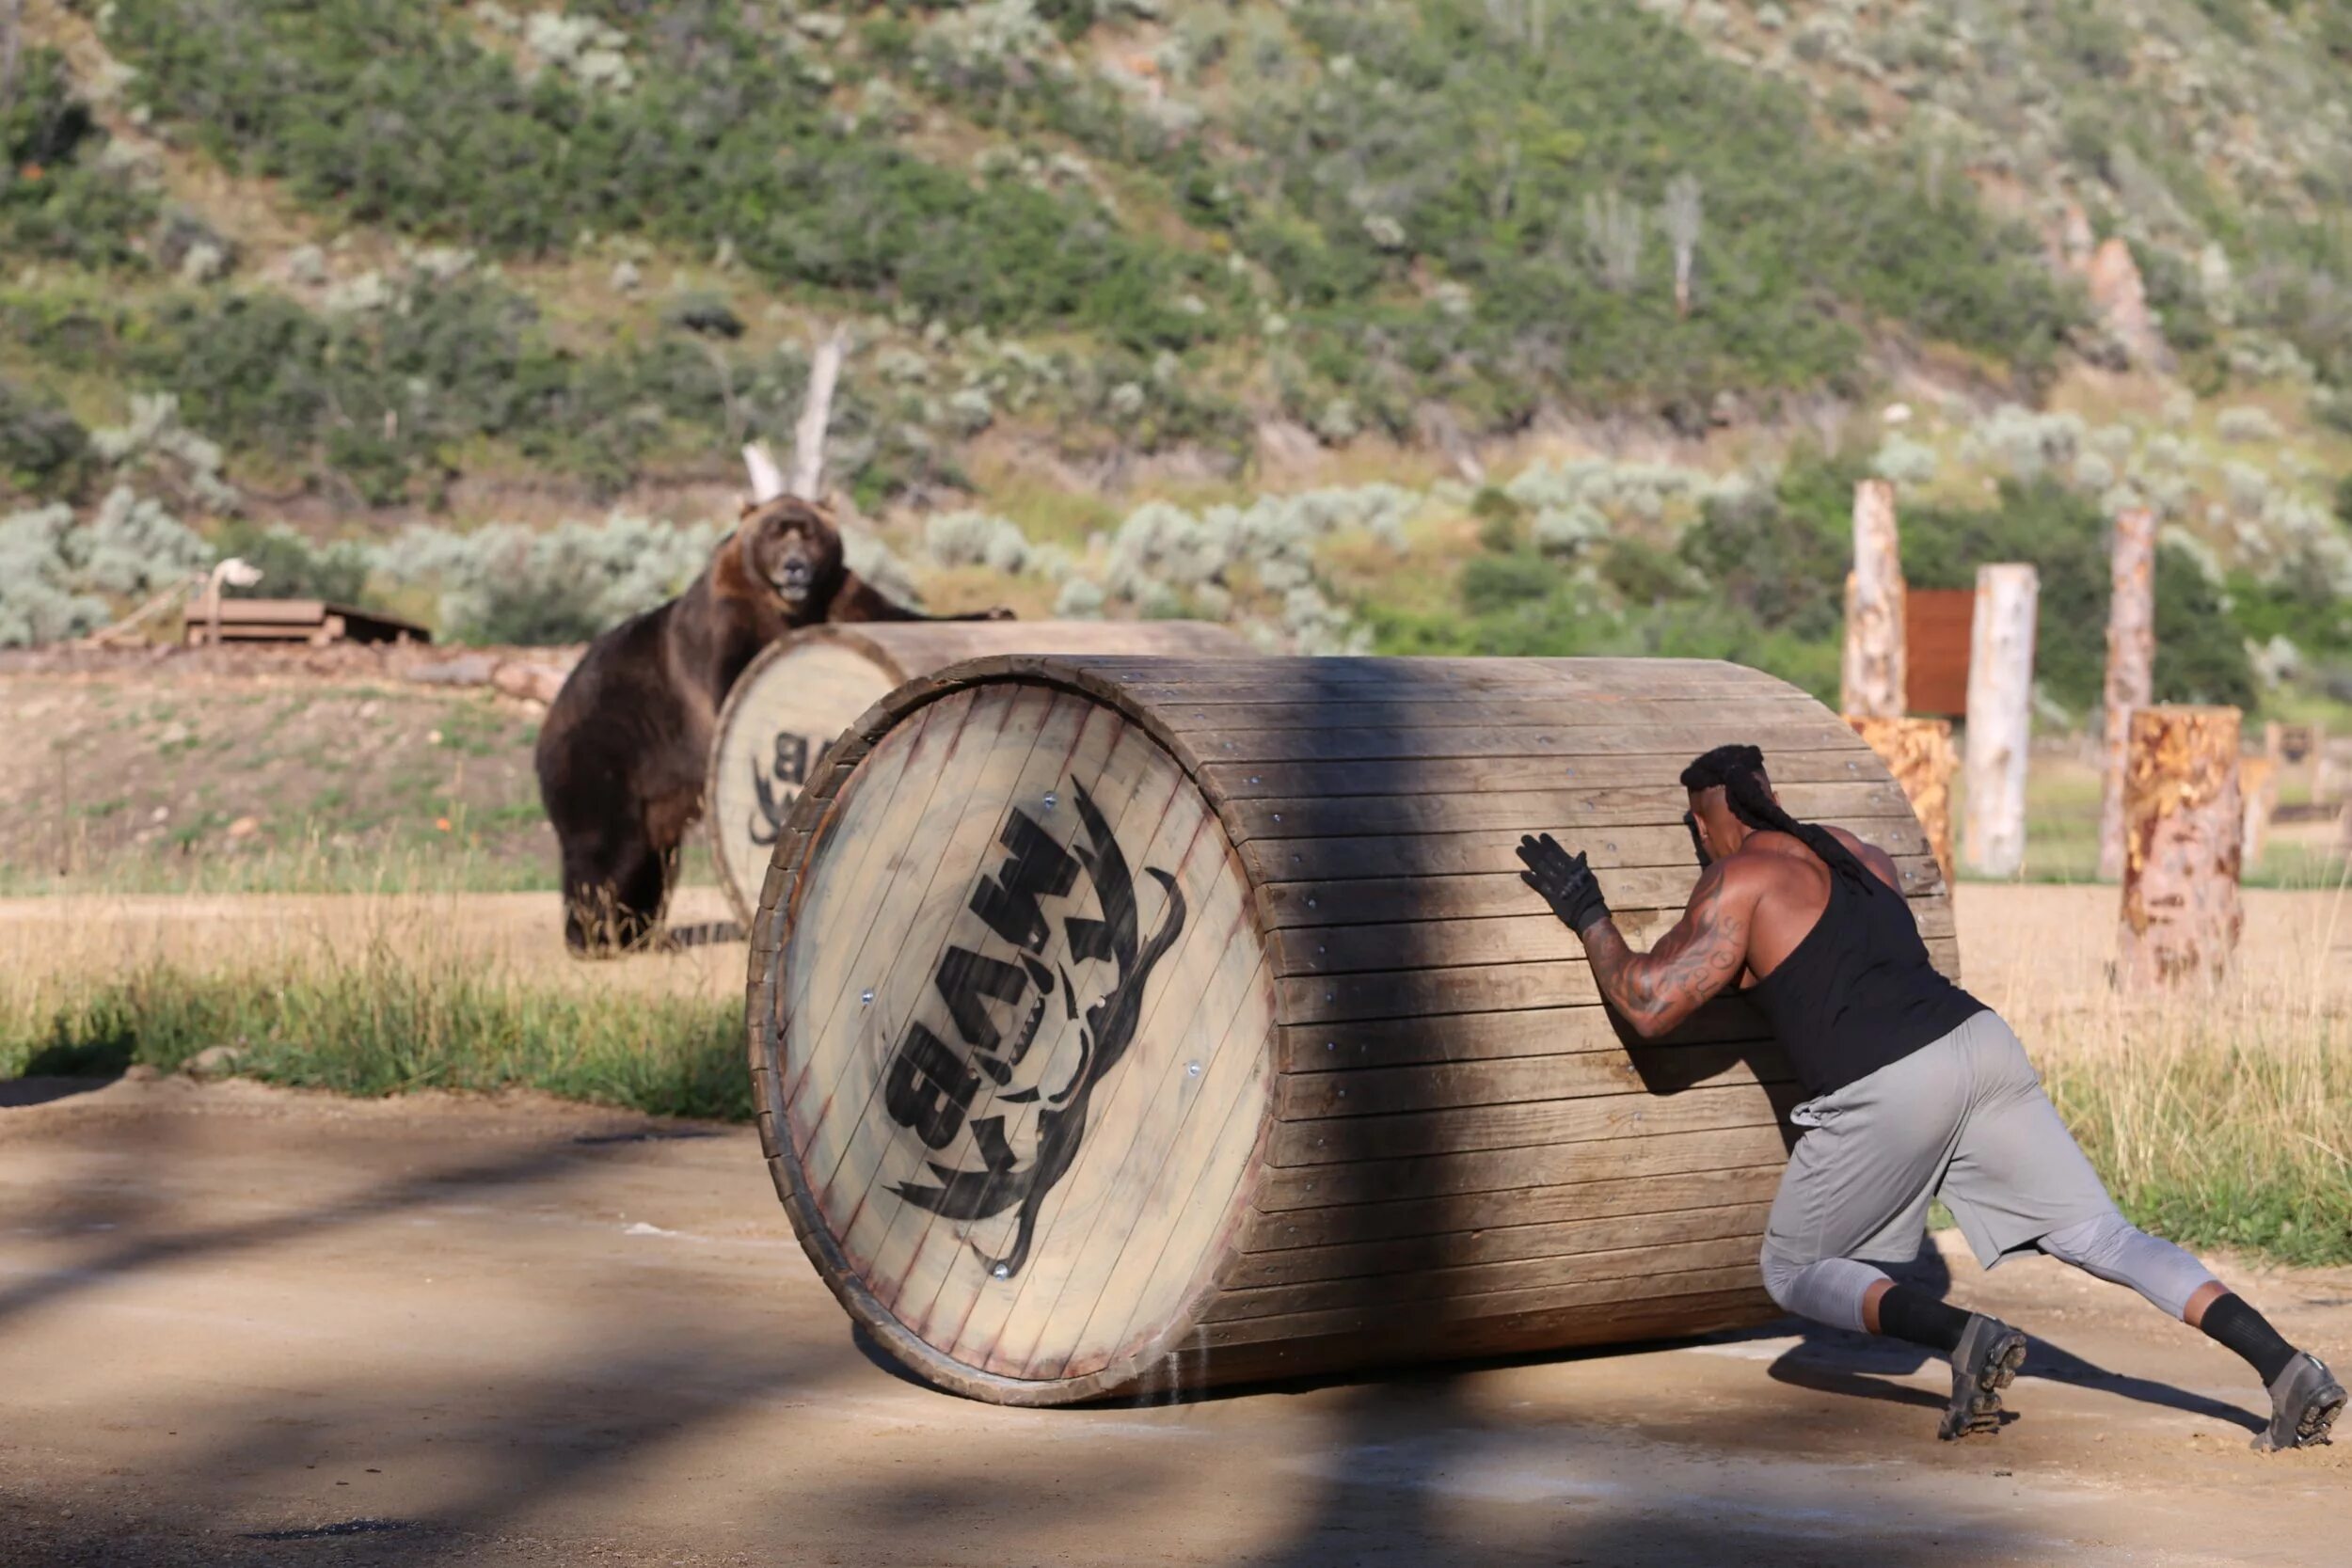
(622, 753)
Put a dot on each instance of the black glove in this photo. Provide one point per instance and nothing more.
(1566, 882)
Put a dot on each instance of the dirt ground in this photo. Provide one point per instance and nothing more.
(199, 772)
(246, 1326)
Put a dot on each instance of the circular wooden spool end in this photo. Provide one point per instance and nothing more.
(795, 697)
(1121, 1023)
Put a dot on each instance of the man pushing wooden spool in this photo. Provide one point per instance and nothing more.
(792, 700)
(1118, 1021)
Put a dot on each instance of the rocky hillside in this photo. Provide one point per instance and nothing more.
(1545, 325)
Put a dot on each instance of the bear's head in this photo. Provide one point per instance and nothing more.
(792, 549)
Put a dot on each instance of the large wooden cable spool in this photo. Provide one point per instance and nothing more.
(1121, 1021)
(795, 697)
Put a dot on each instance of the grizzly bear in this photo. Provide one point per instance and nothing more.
(622, 753)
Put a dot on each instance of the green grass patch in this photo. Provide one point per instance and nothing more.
(381, 1025)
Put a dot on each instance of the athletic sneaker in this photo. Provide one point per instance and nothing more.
(2304, 1404)
(1989, 1354)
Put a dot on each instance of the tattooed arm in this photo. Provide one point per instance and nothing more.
(1701, 956)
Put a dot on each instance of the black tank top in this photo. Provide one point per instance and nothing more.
(1858, 992)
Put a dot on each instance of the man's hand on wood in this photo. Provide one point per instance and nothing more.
(1566, 882)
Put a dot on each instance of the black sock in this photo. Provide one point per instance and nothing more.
(1918, 1317)
(2234, 1323)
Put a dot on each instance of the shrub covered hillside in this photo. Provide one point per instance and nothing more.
(561, 239)
(1564, 324)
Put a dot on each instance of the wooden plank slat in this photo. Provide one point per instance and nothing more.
(1385, 901)
(1465, 1172)
(1164, 682)
(1464, 1129)
(1385, 858)
(1519, 1278)
(1541, 709)
(267, 612)
(1676, 1317)
(1354, 1223)
(1524, 937)
(1442, 1314)
(1289, 744)
(1646, 1070)
(1628, 806)
(1464, 1263)
(1248, 781)
(1479, 1037)
(1469, 988)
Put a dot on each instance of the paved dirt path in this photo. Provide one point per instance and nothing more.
(244, 1325)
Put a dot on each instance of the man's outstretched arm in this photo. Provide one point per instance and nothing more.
(1657, 989)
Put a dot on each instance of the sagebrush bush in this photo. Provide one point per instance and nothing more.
(976, 539)
(1904, 461)
(2246, 423)
(505, 583)
(57, 573)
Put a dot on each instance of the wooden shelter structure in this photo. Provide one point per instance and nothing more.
(312, 623)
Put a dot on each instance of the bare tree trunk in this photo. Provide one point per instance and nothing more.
(1919, 751)
(808, 437)
(2000, 718)
(1874, 670)
(1682, 217)
(2185, 834)
(766, 479)
(2131, 665)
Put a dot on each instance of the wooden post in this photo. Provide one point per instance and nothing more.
(2131, 666)
(2258, 788)
(808, 437)
(1874, 681)
(1919, 751)
(2000, 718)
(2184, 835)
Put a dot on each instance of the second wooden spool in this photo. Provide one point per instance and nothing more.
(1119, 1022)
(792, 700)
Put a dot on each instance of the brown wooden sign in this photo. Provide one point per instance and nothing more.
(1936, 626)
(1125, 1022)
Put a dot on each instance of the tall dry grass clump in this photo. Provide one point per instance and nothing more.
(371, 995)
(2220, 1114)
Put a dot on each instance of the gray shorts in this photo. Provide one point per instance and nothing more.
(1964, 1119)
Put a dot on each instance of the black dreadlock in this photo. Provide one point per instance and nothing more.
(1740, 772)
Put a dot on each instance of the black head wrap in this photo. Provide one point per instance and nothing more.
(1740, 772)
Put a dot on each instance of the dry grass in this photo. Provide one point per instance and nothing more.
(373, 994)
(2219, 1114)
